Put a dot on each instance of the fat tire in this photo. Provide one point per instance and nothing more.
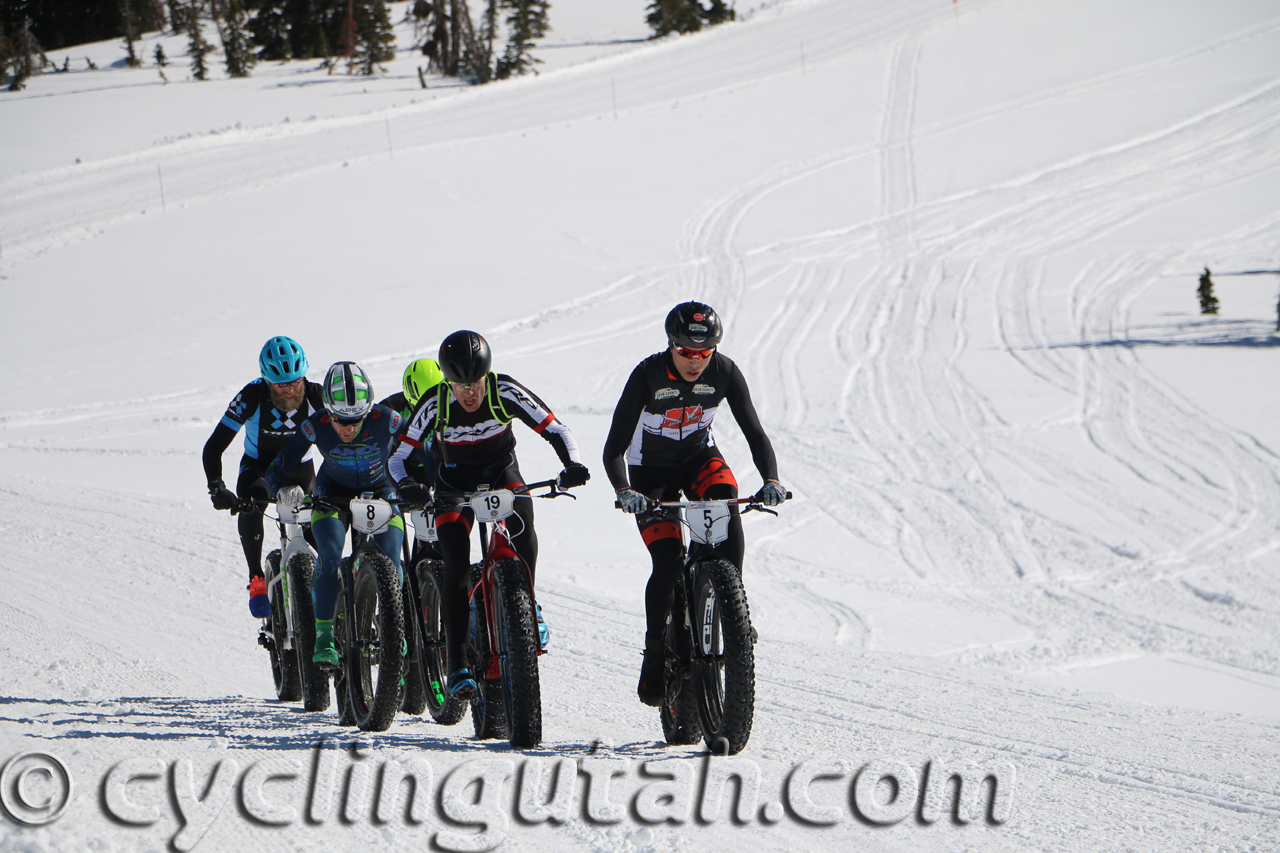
(433, 657)
(414, 700)
(725, 682)
(488, 710)
(679, 713)
(315, 679)
(284, 662)
(379, 621)
(346, 715)
(518, 639)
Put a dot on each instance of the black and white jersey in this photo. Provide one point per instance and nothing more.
(662, 420)
(482, 438)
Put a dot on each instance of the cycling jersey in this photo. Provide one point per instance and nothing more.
(664, 421)
(355, 466)
(268, 428)
(483, 438)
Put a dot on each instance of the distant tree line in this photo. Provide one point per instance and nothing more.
(359, 31)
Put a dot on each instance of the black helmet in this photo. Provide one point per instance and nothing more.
(464, 357)
(694, 325)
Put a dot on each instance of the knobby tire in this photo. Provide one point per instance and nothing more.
(488, 711)
(518, 639)
(284, 662)
(433, 662)
(679, 712)
(377, 641)
(315, 679)
(414, 700)
(724, 661)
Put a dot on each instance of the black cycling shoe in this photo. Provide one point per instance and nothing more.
(650, 687)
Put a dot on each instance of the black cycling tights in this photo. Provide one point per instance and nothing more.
(667, 555)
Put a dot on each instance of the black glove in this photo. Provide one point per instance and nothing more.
(413, 492)
(222, 497)
(574, 474)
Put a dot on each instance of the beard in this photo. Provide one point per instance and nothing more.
(288, 402)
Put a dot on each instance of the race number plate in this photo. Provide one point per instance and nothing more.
(493, 506)
(424, 526)
(370, 515)
(708, 521)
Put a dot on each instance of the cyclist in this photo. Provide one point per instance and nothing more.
(271, 408)
(420, 377)
(660, 443)
(353, 434)
(468, 420)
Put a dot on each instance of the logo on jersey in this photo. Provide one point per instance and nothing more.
(309, 431)
(664, 393)
(689, 416)
(703, 389)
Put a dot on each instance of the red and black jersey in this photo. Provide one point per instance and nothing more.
(479, 439)
(663, 421)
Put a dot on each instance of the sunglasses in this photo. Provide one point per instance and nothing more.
(348, 421)
(292, 384)
(698, 354)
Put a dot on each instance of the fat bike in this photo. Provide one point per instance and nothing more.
(368, 621)
(709, 681)
(502, 645)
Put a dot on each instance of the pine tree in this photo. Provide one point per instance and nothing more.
(718, 13)
(162, 61)
(270, 31)
(26, 56)
(235, 43)
(527, 22)
(130, 33)
(477, 57)
(674, 16)
(376, 39)
(1208, 302)
(197, 47)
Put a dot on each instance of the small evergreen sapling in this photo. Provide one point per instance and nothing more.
(1208, 302)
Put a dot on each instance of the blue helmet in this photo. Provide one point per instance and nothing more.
(282, 360)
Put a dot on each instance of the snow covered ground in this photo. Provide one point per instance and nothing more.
(957, 247)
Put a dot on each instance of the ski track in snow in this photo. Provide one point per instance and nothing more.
(867, 336)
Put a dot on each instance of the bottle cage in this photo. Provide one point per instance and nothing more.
(443, 390)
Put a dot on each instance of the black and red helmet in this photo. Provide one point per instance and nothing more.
(694, 325)
(464, 357)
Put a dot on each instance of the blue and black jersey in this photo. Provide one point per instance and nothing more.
(349, 467)
(267, 429)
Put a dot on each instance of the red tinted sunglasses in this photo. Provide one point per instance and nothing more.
(699, 354)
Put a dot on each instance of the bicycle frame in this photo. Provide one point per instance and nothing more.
(292, 543)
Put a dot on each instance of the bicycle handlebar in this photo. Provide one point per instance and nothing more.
(753, 501)
(443, 500)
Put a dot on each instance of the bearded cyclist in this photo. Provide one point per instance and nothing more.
(353, 434)
(660, 443)
(468, 421)
(270, 408)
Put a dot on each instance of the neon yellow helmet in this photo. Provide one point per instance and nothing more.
(420, 377)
